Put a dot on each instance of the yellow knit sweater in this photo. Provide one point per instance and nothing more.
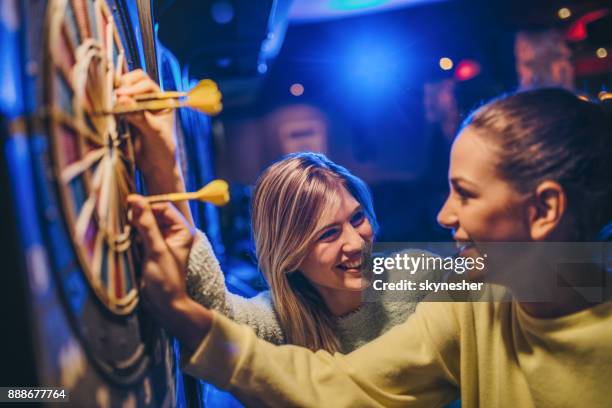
(493, 353)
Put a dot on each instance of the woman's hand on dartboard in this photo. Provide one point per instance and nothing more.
(167, 240)
(155, 144)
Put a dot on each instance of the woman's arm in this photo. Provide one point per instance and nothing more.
(404, 367)
(206, 285)
(414, 364)
(156, 157)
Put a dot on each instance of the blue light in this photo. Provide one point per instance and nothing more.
(222, 12)
(11, 105)
(354, 4)
(374, 67)
(224, 62)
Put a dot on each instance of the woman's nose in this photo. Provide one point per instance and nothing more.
(354, 242)
(447, 217)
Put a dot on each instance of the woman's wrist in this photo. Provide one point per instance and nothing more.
(164, 181)
(188, 321)
(163, 167)
(167, 178)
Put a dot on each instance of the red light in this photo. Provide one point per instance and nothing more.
(577, 31)
(466, 70)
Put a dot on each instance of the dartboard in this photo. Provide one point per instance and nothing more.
(69, 167)
(72, 169)
(92, 154)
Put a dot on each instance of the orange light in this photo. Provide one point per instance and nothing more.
(564, 13)
(601, 53)
(446, 63)
(296, 89)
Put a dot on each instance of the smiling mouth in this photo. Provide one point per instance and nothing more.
(463, 246)
(347, 266)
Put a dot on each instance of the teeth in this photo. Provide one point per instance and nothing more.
(463, 244)
(351, 265)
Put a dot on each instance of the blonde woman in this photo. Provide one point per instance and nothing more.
(311, 221)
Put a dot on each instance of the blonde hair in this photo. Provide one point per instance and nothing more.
(289, 200)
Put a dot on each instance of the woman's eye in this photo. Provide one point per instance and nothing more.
(463, 195)
(329, 234)
(357, 218)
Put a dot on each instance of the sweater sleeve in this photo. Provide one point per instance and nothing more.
(414, 364)
(206, 285)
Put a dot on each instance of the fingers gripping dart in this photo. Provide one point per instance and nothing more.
(204, 97)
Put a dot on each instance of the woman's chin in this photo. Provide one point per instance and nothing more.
(475, 275)
(357, 284)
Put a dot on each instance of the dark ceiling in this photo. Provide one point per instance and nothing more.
(238, 42)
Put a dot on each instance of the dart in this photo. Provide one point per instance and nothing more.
(215, 192)
(204, 97)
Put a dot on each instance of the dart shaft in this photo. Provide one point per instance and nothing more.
(160, 95)
(172, 197)
(148, 105)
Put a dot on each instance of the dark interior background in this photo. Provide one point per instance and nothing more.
(363, 67)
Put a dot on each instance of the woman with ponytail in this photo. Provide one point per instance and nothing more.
(533, 168)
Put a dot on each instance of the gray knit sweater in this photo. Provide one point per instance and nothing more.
(206, 285)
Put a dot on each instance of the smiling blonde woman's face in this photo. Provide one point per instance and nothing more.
(335, 259)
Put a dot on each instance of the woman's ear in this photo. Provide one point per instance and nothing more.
(546, 210)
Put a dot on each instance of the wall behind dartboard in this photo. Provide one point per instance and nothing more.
(61, 333)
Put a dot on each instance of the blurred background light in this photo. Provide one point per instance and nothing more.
(564, 13)
(302, 11)
(446, 63)
(355, 4)
(296, 89)
(375, 67)
(601, 53)
(578, 30)
(224, 62)
(222, 12)
(467, 69)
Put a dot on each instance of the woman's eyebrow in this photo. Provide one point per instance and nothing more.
(460, 180)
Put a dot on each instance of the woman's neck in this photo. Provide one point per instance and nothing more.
(560, 297)
(340, 302)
